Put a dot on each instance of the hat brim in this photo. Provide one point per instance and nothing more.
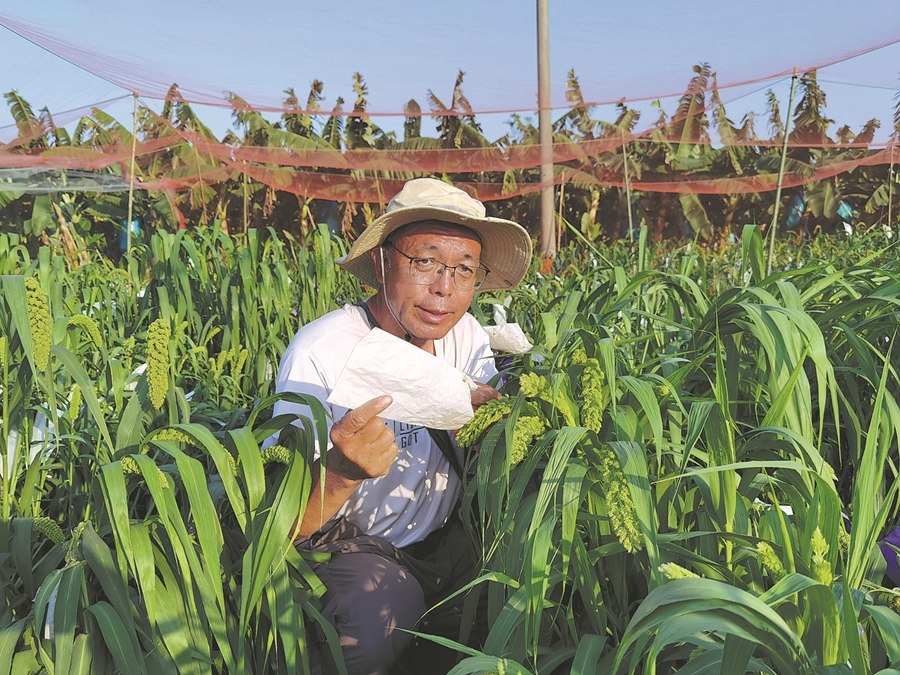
(506, 247)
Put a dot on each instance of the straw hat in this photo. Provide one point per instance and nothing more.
(505, 245)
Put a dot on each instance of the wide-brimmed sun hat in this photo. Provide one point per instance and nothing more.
(505, 245)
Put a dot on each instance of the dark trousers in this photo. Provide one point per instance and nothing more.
(376, 592)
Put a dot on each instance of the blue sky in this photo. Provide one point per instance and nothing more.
(639, 51)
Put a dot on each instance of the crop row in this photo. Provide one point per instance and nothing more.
(692, 469)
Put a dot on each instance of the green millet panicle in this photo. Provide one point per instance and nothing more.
(277, 454)
(595, 394)
(619, 505)
(73, 553)
(39, 321)
(536, 386)
(821, 570)
(168, 434)
(89, 326)
(74, 403)
(128, 348)
(130, 467)
(180, 331)
(539, 387)
(173, 434)
(674, 571)
(4, 353)
(887, 599)
(770, 560)
(237, 364)
(843, 540)
(49, 528)
(487, 414)
(579, 357)
(158, 361)
(118, 276)
(163, 478)
(527, 429)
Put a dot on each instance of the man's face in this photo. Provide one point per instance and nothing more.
(429, 311)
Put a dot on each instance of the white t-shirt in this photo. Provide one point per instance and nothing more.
(419, 492)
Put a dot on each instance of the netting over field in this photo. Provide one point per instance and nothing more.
(173, 156)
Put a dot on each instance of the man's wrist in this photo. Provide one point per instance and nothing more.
(337, 466)
(339, 478)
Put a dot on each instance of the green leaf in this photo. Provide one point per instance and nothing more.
(68, 601)
(41, 216)
(677, 610)
(81, 378)
(482, 663)
(588, 655)
(9, 638)
(753, 253)
(117, 638)
(271, 538)
(100, 561)
(888, 623)
(21, 552)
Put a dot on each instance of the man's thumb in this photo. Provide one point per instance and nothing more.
(357, 418)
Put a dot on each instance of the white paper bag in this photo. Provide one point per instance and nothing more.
(507, 337)
(426, 391)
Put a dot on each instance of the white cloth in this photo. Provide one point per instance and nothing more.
(418, 494)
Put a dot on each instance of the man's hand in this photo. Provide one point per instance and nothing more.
(482, 394)
(362, 445)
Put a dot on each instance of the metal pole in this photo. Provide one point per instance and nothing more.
(784, 144)
(545, 134)
(131, 175)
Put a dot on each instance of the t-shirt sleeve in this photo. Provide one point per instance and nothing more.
(299, 373)
(481, 365)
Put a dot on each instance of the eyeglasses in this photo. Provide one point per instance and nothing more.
(426, 271)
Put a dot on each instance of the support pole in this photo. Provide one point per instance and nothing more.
(627, 191)
(246, 214)
(784, 144)
(891, 188)
(559, 219)
(131, 175)
(545, 133)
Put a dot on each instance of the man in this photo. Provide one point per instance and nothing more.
(390, 490)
